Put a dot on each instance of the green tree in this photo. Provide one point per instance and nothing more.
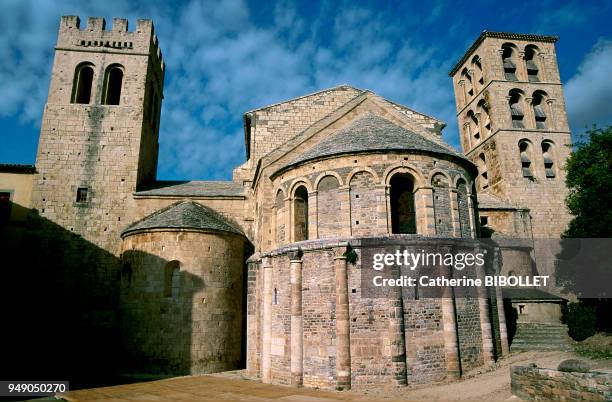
(589, 180)
(583, 266)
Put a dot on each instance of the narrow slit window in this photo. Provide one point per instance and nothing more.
(548, 160)
(525, 160)
(82, 194)
(538, 110)
(530, 63)
(509, 65)
(516, 111)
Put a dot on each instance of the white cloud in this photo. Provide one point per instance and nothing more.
(589, 91)
(221, 63)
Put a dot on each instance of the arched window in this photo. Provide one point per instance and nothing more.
(537, 103)
(474, 127)
(468, 82)
(300, 214)
(516, 111)
(171, 278)
(547, 155)
(508, 59)
(486, 123)
(482, 171)
(525, 154)
(83, 81)
(403, 212)
(531, 63)
(113, 80)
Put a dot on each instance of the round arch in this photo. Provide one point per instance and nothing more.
(327, 173)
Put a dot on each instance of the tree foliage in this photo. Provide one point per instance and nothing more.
(589, 180)
(583, 266)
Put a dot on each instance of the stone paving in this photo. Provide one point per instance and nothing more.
(204, 389)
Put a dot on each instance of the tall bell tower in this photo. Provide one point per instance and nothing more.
(513, 126)
(98, 144)
(99, 135)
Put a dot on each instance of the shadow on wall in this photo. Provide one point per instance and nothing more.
(156, 315)
(60, 298)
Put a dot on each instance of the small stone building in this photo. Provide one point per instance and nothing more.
(190, 277)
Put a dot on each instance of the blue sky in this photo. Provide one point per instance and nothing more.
(226, 57)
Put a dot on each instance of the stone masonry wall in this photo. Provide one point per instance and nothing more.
(540, 384)
(195, 329)
(328, 207)
(364, 218)
(274, 125)
(100, 148)
(336, 213)
(375, 360)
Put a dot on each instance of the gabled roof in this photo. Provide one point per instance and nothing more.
(193, 189)
(500, 35)
(370, 133)
(490, 201)
(341, 86)
(184, 215)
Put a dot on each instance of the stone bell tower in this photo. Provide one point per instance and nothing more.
(513, 126)
(98, 144)
(98, 140)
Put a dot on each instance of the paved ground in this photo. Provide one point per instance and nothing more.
(233, 386)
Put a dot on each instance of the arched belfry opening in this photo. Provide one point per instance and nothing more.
(300, 214)
(83, 80)
(113, 82)
(403, 211)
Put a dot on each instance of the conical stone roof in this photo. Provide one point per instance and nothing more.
(371, 133)
(184, 215)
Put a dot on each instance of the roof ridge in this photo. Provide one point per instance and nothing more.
(216, 220)
(366, 135)
(305, 96)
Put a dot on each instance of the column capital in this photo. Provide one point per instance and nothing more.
(295, 255)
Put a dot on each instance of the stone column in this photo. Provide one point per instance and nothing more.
(485, 318)
(426, 218)
(521, 67)
(501, 314)
(454, 201)
(267, 321)
(529, 114)
(471, 213)
(451, 341)
(343, 325)
(397, 332)
(297, 339)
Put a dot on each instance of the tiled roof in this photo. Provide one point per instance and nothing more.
(185, 215)
(193, 189)
(489, 201)
(16, 168)
(529, 294)
(371, 133)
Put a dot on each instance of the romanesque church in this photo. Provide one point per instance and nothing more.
(139, 275)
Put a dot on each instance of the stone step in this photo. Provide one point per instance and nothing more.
(541, 336)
